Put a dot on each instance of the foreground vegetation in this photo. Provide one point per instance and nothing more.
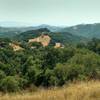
(47, 66)
(74, 91)
(29, 71)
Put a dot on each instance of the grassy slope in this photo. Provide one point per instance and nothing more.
(77, 91)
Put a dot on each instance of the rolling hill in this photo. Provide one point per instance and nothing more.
(73, 34)
(62, 37)
(12, 31)
(85, 30)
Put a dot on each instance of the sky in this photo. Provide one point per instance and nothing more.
(52, 12)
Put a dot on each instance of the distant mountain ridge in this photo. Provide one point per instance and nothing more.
(62, 37)
(12, 31)
(85, 30)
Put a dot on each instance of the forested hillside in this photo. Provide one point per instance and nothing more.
(35, 65)
(62, 37)
(85, 30)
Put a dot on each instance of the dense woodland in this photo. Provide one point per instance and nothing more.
(47, 66)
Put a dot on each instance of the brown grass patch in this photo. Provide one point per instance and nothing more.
(76, 91)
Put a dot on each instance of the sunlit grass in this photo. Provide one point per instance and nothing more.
(74, 91)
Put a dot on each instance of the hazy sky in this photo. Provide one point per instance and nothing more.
(53, 12)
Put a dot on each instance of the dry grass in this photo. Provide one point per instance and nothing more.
(76, 91)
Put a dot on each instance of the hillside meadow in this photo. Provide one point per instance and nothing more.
(74, 91)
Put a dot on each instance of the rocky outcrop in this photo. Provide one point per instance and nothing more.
(43, 39)
(57, 45)
(15, 47)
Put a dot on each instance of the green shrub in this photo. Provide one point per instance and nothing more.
(2, 74)
(9, 84)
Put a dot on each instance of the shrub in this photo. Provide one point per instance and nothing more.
(2, 74)
(9, 84)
